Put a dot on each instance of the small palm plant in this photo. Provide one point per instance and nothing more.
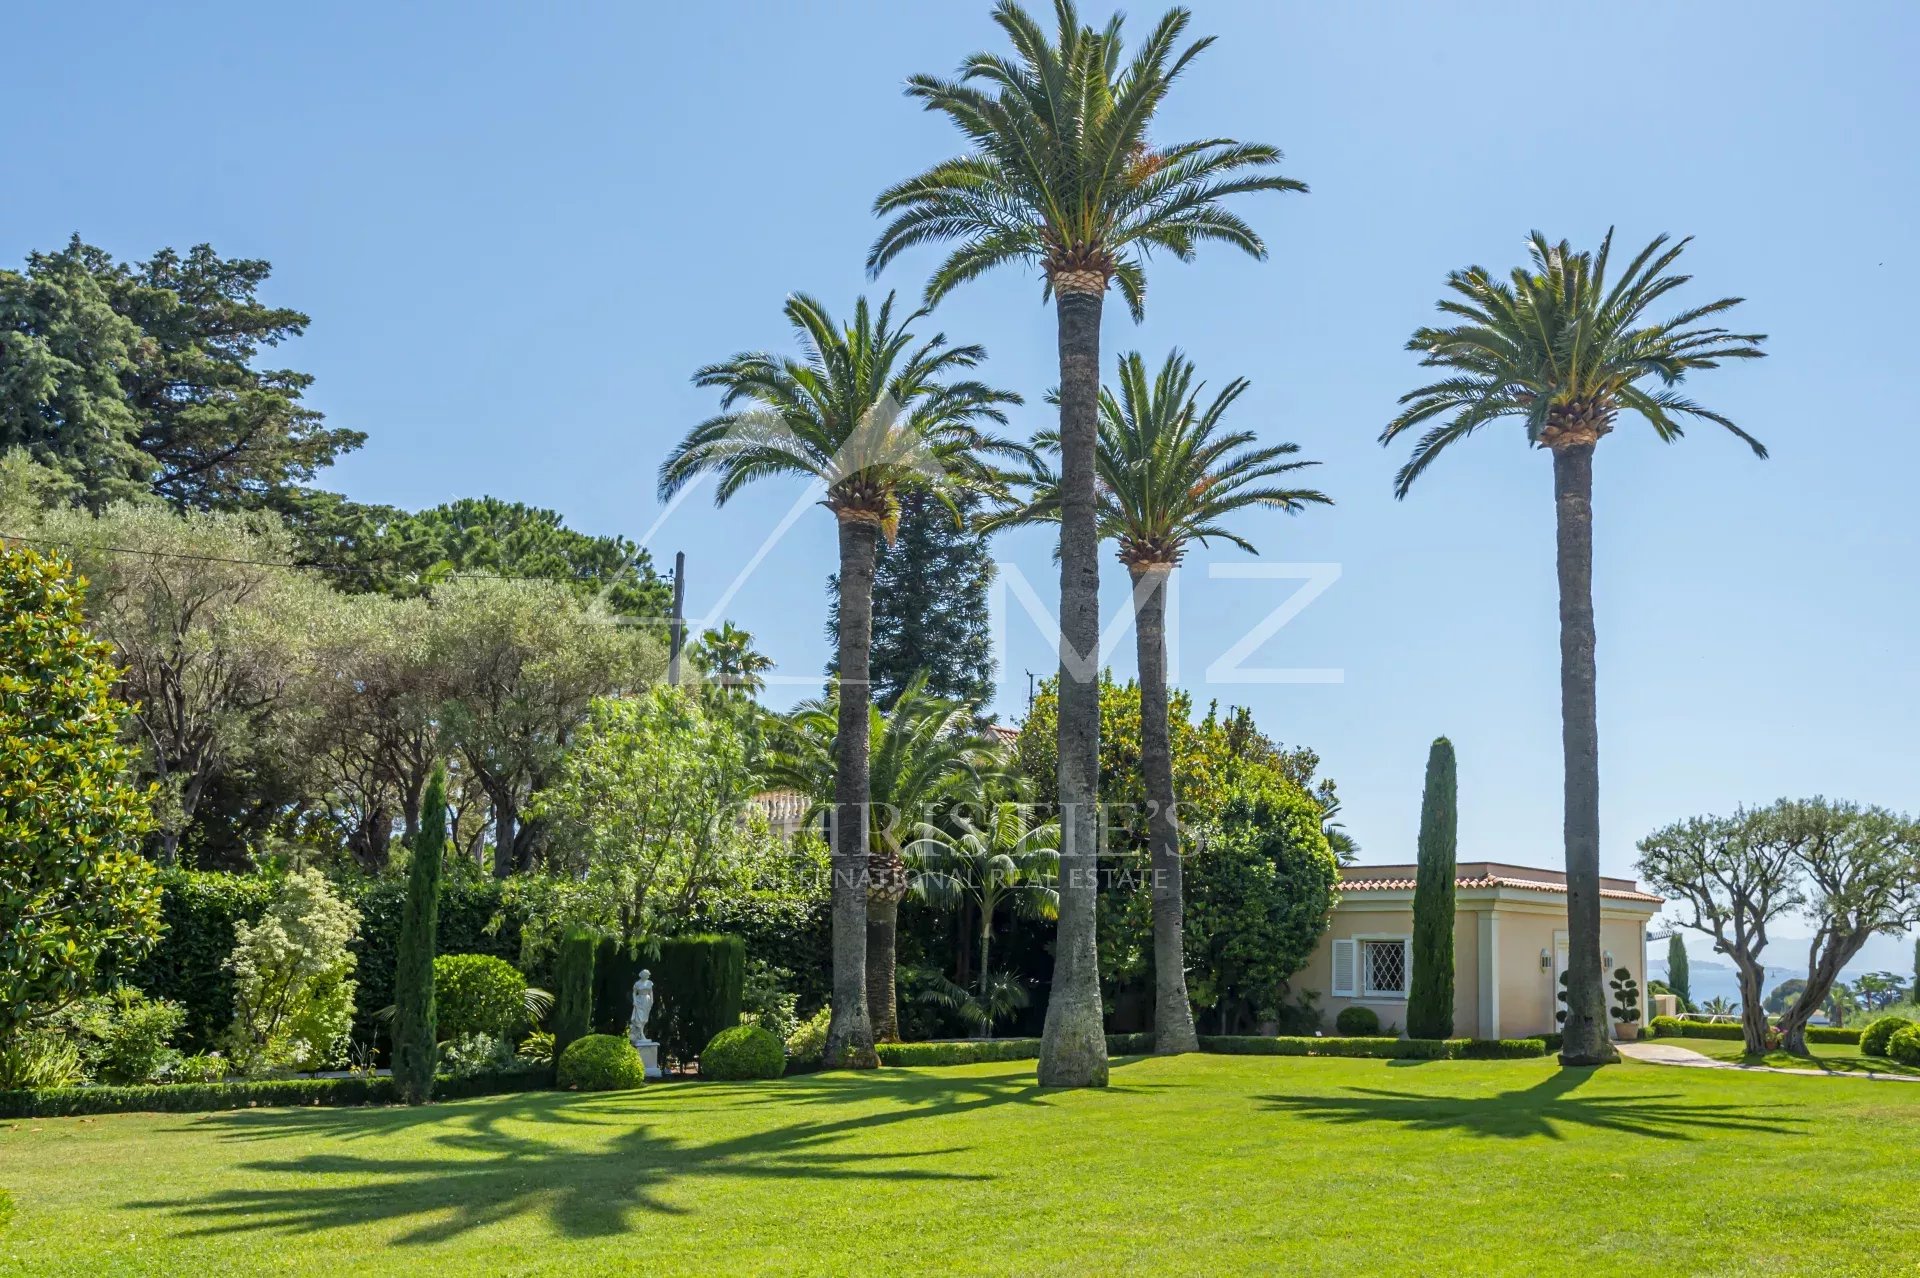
(865, 411)
(728, 659)
(1564, 351)
(927, 754)
(1170, 474)
(993, 859)
(1062, 173)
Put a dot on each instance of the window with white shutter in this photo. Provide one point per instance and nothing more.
(1343, 969)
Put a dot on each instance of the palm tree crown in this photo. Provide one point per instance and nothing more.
(867, 410)
(1062, 173)
(1168, 472)
(727, 657)
(1560, 349)
(928, 753)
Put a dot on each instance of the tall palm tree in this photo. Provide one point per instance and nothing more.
(865, 411)
(1063, 175)
(728, 658)
(928, 754)
(1564, 351)
(1168, 474)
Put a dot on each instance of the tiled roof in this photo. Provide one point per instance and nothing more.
(1489, 878)
(1005, 735)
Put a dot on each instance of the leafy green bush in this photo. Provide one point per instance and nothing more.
(537, 1046)
(699, 980)
(745, 1051)
(477, 994)
(181, 1098)
(292, 979)
(472, 1054)
(1875, 1038)
(1904, 1046)
(125, 1036)
(1357, 1022)
(1832, 1034)
(807, 1046)
(599, 1063)
(201, 1067)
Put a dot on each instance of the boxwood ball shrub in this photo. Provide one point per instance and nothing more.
(745, 1051)
(1357, 1022)
(477, 994)
(1875, 1038)
(1904, 1046)
(599, 1063)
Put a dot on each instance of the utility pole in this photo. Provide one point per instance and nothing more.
(677, 624)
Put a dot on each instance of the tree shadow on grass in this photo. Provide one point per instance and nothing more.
(1546, 1109)
(486, 1162)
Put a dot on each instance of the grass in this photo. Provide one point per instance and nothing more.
(1835, 1058)
(1196, 1164)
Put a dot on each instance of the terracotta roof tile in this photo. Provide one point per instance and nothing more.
(1491, 881)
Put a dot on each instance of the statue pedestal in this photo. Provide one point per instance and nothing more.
(649, 1055)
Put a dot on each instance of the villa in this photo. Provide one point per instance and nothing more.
(1509, 945)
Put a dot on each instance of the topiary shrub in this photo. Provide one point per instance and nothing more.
(599, 1063)
(1904, 1046)
(201, 1067)
(1357, 1022)
(1874, 1038)
(573, 996)
(477, 994)
(745, 1051)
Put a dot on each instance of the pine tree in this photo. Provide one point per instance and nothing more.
(1430, 999)
(929, 606)
(1678, 979)
(413, 1015)
(572, 1015)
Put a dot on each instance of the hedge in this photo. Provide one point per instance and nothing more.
(187, 1098)
(1733, 1031)
(979, 1051)
(200, 908)
(697, 983)
(1402, 1049)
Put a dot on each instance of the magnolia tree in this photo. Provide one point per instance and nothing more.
(1854, 870)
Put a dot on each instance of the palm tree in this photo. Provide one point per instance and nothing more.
(1565, 352)
(1003, 858)
(1168, 475)
(866, 411)
(728, 658)
(1062, 175)
(927, 755)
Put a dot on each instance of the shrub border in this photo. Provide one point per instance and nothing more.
(1731, 1031)
(192, 1098)
(985, 1051)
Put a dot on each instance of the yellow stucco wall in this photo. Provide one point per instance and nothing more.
(1512, 987)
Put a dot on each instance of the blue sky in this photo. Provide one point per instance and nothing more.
(518, 230)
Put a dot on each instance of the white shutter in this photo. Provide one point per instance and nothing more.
(1344, 961)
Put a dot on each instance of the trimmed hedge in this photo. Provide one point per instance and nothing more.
(698, 981)
(973, 1052)
(188, 1098)
(1904, 1046)
(477, 994)
(1399, 1049)
(1732, 1031)
(1358, 1022)
(745, 1051)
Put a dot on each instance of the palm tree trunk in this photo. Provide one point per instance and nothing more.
(1172, 1011)
(883, 917)
(1073, 1046)
(1586, 1040)
(850, 1032)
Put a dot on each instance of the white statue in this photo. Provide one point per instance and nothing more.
(642, 1009)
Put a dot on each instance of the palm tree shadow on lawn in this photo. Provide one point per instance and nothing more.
(487, 1166)
(1545, 1109)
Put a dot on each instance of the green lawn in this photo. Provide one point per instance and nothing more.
(1198, 1164)
(1835, 1058)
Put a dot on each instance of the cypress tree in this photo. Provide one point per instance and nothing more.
(413, 1017)
(1430, 996)
(1678, 978)
(572, 1015)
